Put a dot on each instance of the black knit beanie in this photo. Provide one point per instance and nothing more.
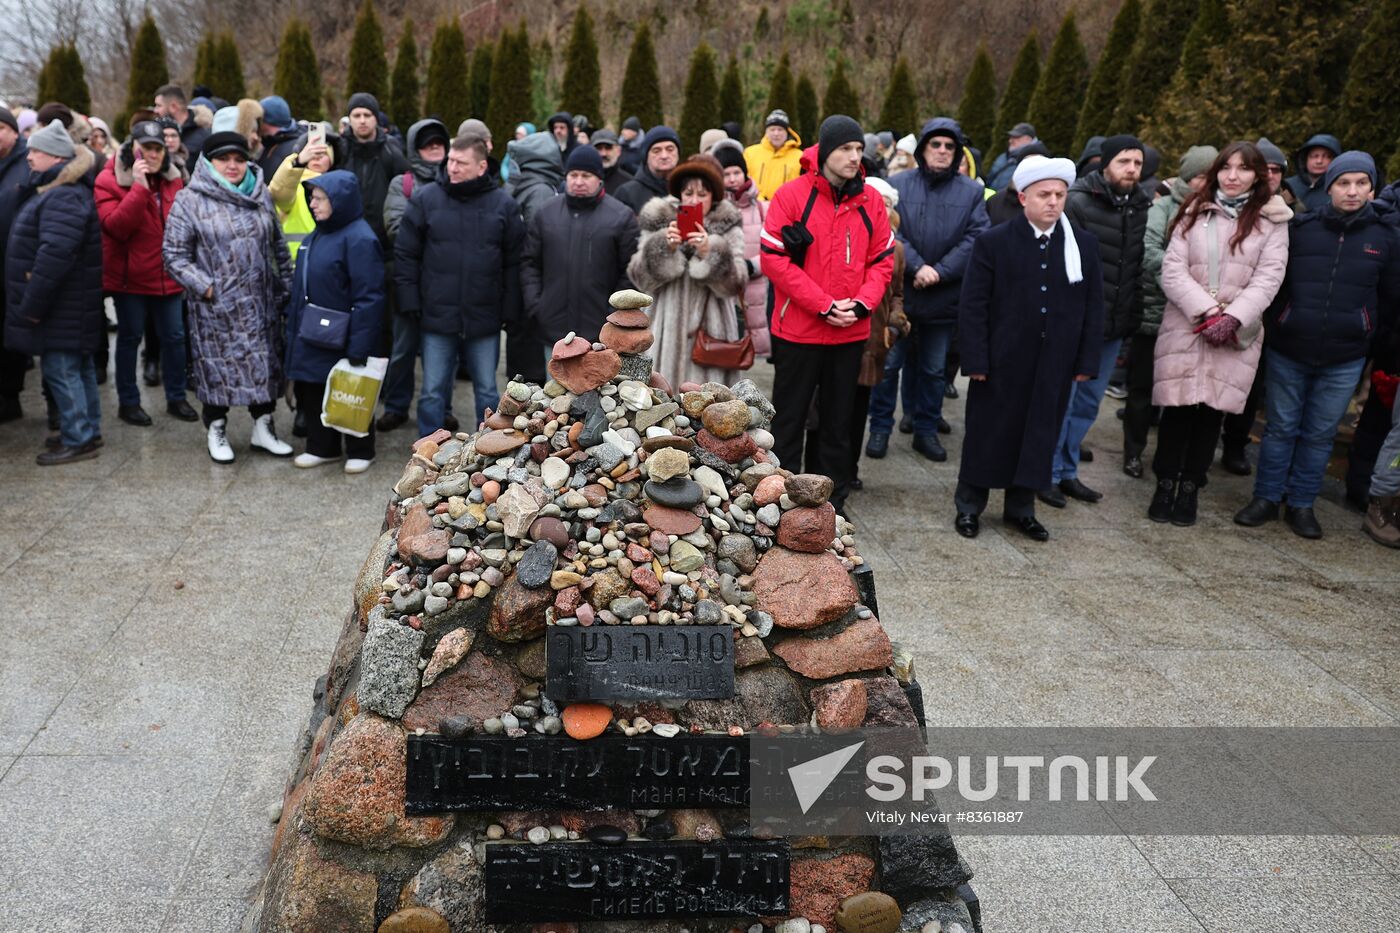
(836, 130)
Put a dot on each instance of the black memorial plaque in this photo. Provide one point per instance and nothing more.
(639, 662)
(570, 881)
(541, 772)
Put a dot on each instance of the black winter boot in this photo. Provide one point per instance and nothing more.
(1184, 509)
(1162, 501)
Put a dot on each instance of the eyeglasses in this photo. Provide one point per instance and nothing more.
(950, 146)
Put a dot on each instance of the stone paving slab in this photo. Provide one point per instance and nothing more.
(145, 727)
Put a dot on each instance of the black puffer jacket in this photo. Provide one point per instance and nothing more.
(1119, 224)
(638, 192)
(576, 255)
(1343, 285)
(53, 263)
(375, 163)
(457, 257)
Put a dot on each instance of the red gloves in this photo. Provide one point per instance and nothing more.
(1219, 329)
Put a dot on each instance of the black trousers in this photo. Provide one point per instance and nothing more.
(525, 352)
(1237, 427)
(212, 413)
(322, 441)
(802, 372)
(970, 499)
(812, 448)
(1186, 441)
(1137, 414)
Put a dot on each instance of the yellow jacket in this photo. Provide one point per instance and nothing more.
(772, 168)
(290, 198)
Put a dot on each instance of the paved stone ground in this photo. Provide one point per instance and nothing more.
(174, 614)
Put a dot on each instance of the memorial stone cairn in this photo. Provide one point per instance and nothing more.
(604, 574)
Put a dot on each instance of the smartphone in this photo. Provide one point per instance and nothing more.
(689, 218)
(316, 134)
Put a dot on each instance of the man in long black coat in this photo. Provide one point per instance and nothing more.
(1030, 322)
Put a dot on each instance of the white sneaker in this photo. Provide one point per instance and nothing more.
(356, 465)
(307, 461)
(219, 450)
(265, 438)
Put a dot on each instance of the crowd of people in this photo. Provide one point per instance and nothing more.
(246, 252)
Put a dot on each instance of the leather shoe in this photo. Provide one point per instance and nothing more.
(1133, 467)
(1052, 497)
(181, 409)
(877, 446)
(1303, 522)
(1235, 461)
(857, 484)
(1076, 490)
(928, 445)
(1258, 512)
(390, 420)
(906, 424)
(1086, 455)
(1029, 527)
(967, 524)
(944, 427)
(134, 414)
(950, 390)
(450, 423)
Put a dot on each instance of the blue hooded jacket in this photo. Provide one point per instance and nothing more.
(939, 217)
(339, 266)
(1308, 192)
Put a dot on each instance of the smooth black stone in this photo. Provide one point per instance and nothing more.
(864, 578)
(536, 565)
(584, 404)
(660, 828)
(581, 881)
(649, 662)
(456, 727)
(675, 493)
(607, 835)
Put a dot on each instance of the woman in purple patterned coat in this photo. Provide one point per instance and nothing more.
(224, 245)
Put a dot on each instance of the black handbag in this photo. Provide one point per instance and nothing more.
(323, 328)
(796, 237)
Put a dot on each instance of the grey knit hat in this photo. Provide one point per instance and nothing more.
(1272, 154)
(1196, 161)
(54, 140)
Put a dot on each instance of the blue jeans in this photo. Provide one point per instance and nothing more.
(131, 329)
(72, 381)
(1084, 399)
(924, 356)
(1305, 404)
(440, 355)
(397, 394)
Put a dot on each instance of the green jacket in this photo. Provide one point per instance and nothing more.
(1159, 218)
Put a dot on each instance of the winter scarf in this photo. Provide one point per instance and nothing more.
(1231, 206)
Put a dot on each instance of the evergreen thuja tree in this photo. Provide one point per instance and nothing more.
(1096, 116)
(1153, 62)
(583, 80)
(449, 86)
(1209, 32)
(1020, 86)
(1370, 121)
(510, 83)
(64, 79)
(700, 107)
(204, 55)
(1060, 91)
(641, 84)
(228, 68)
(977, 111)
(899, 113)
(733, 106)
(806, 116)
(480, 84)
(782, 93)
(297, 79)
(404, 86)
(841, 97)
(148, 70)
(368, 70)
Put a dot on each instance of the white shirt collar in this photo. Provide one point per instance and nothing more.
(1039, 232)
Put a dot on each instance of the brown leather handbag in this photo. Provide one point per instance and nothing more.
(722, 354)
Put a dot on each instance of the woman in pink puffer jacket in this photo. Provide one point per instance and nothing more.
(1226, 257)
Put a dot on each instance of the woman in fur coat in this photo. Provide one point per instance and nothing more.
(696, 282)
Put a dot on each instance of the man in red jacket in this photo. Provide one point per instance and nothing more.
(829, 252)
(134, 194)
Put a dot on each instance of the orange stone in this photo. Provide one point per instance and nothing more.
(586, 720)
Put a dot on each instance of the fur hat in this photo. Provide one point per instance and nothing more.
(704, 167)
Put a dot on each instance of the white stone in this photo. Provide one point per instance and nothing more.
(555, 472)
(611, 436)
(667, 730)
(710, 480)
(538, 835)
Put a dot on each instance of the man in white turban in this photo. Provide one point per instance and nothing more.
(1030, 323)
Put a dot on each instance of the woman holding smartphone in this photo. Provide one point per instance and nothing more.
(690, 259)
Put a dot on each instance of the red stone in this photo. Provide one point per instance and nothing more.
(626, 339)
(733, 450)
(673, 521)
(479, 688)
(550, 529)
(819, 886)
(769, 490)
(630, 318)
(499, 443)
(419, 541)
(570, 349)
(307, 890)
(803, 590)
(658, 381)
(357, 794)
(437, 438)
(646, 580)
(863, 646)
(567, 600)
(808, 530)
(638, 554)
(517, 613)
(749, 651)
(840, 705)
(886, 704)
(585, 373)
(596, 495)
(499, 422)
